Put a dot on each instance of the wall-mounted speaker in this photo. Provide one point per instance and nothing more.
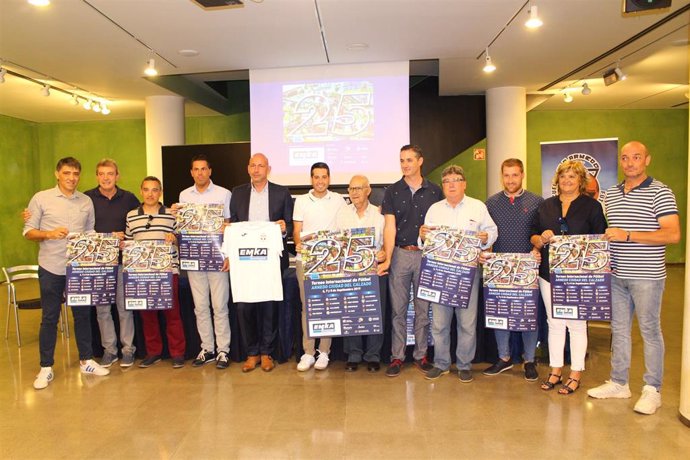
(635, 6)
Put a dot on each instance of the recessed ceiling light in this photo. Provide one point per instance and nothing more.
(188, 53)
(39, 2)
(357, 46)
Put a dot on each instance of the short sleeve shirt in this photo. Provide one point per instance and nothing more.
(409, 208)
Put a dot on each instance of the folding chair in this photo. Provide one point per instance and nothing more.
(17, 279)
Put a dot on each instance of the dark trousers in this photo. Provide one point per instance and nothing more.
(354, 345)
(174, 328)
(258, 326)
(52, 292)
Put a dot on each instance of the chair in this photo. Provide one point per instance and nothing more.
(16, 278)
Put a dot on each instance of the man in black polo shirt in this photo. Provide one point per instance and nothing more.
(404, 207)
(112, 204)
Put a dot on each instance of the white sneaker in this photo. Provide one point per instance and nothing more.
(610, 389)
(321, 361)
(93, 368)
(44, 377)
(305, 362)
(649, 402)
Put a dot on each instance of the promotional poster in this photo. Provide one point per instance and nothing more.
(580, 277)
(340, 283)
(200, 229)
(511, 291)
(449, 264)
(148, 274)
(91, 271)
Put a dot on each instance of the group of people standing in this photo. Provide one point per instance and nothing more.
(640, 218)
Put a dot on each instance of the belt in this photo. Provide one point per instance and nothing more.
(410, 248)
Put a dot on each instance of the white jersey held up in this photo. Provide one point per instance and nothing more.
(254, 250)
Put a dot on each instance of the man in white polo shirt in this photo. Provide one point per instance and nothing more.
(314, 211)
(213, 286)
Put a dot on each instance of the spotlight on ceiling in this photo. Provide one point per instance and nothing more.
(3, 72)
(75, 100)
(105, 110)
(534, 22)
(621, 75)
(87, 104)
(96, 107)
(45, 91)
(488, 66)
(567, 98)
(586, 90)
(614, 75)
(151, 68)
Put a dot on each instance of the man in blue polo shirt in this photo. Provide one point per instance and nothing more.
(513, 209)
(111, 205)
(643, 218)
(404, 207)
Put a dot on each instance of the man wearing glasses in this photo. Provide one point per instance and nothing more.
(362, 214)
(464, 213)
(405, 204)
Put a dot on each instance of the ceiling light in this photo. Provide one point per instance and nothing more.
(567, 98)
(151, 68)
(105, 110)
(534, 21)
(75, 99)
(489, 66)
(586, 90)
(39, 2)
(87, 104)
(96, 107)
(46, 90)
(620, 74)
(3, 72)
(188, 53)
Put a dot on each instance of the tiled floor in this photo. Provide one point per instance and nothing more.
(206, 413)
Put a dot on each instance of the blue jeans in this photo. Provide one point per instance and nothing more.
(643, 298)
(52, 292)
(467, 332)
(529, 341)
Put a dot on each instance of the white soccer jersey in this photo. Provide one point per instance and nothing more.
(254, 250)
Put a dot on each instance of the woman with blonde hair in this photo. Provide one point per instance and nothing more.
(570, 212)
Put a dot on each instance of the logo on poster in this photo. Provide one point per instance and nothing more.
(135, 304)
(79, 299)
(565, 312)
(494, 322)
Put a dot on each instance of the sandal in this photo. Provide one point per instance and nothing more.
(548, 385)
(566, 389)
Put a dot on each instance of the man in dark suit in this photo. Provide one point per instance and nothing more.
(261, 200)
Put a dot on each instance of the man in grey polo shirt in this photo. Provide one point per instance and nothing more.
(213, 286)
(54, 213)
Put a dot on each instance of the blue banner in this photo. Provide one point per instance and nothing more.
(341, 288)
(580, 275)
(511, 291)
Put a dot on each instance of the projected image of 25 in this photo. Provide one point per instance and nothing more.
(318, 112)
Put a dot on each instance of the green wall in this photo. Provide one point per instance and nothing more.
(665, 132)
(30, 150)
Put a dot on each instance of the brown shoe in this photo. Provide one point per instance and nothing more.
(267, 363)
(251, 363)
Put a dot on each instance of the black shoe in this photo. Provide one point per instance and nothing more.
(178, 362)
(204, 357)
(222, 361)
(394, 368)
(373, 366)
(435, 373)
(351, 366)
(465, 375)
(531, 373)
(423, 365)
(150, 361)
(500, 366)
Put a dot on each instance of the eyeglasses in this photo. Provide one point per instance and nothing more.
(453, 181)
(564, 225)
(355, 189)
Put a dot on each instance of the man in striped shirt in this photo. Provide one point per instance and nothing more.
(643, 219)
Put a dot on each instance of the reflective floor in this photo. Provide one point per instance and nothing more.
(205, 413)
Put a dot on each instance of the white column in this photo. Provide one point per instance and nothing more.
(164, 126)
(506, 131)
(684, 408)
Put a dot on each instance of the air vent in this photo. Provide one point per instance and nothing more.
(219, 4)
